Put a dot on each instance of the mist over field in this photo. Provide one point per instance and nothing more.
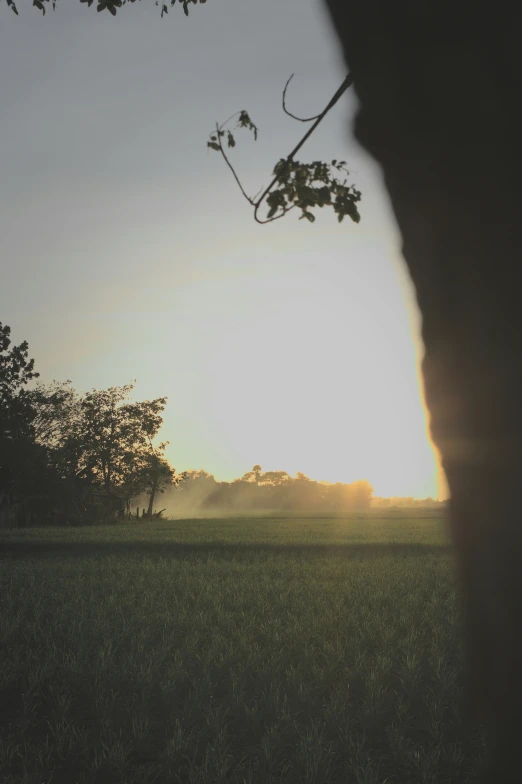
(258, 493)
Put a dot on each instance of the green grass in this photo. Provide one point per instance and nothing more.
(266, 650)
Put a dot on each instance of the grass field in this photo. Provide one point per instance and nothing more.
(261, 650)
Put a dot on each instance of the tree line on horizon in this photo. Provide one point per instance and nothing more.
(67, 457)
(201, 493)
(258, 491)
(71, 458)
(379, 502)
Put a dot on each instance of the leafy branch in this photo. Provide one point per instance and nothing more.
(295, 184)
(111, 5)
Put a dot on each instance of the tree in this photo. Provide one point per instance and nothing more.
(16, 370)
(99, 447)
(274, 478)
(64, 446)
(439, 88)
(253, 476)
(18, 451)
(58, 429)
(157, 475)
(56, 409)
(296, 184)
(115, 437)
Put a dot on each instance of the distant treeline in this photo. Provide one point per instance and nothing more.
(408, 502)
(74, 458)
(200, 493)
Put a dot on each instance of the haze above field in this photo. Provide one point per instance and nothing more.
(130, 253)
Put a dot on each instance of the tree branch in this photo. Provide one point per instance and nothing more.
(294, 116)
(245, 121)
(113, 5)
(274, 217)
(333, 100)
(223, 153)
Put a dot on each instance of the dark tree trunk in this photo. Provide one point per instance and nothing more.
(151, 498)
(439, 86)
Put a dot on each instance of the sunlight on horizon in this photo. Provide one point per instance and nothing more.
(306, 358)
(293, 373)
(290, 345)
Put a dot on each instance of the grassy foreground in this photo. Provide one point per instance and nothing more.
(261, 650)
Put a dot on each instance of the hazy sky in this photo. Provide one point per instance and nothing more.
(128, 252)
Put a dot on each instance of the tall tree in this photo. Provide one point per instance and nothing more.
(439, 87)
(157, 475)
(18, 451)
(254, 475)
(57, 428)
(115, 436)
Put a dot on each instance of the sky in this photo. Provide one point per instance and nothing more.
(128, 252)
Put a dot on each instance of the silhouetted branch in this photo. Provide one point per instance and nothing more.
(274, 217)
(112, 5)
(244, 121)
(342, 89)
(294, 116)
(219, 133)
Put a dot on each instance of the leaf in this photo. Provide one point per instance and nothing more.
(275, 200)
(231, 140)
(245, 122)
(214, 145)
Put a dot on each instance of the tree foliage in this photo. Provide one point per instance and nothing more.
(111, 6)
(258, 491)
(295, 184)
(76, 453)
(17, 444)
(115, 436)
(16, 369)
(157, 475)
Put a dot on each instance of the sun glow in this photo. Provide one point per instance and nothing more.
(295, 373)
